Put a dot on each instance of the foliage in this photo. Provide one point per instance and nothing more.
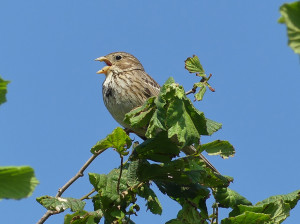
(290, 15)
(171, 111)
(61, 204)
(118, 140)
(3, 90)
(193, 65)
(274, 209)
(172, 123)
(16, 182)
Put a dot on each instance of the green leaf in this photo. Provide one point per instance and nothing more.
(143, 191)
(183, 192)
(118, 140)
(3, 90)
(218, 147)
(188, 215)
(111, 202)
(278, 211)
(290, 15)
(84, 217)
(153, 203)
(60, 204)
(291, 198)
(118, 214)
(17, 182)
(173, 112)
(193, 65)
(159, 149)
(140, 116)
(276, 207)
(201, 92)
(186, 170)
(132, 174)
(229, 198)
(107, 184)
(212, 126)
(181, 123)
(249, 218)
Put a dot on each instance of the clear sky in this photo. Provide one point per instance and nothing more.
(55, 112)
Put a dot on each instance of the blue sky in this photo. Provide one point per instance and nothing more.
(55, 112)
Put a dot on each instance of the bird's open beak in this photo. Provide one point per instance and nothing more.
(106, 68)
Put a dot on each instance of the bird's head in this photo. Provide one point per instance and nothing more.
(119, 62)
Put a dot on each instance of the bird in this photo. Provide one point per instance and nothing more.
(126, 87)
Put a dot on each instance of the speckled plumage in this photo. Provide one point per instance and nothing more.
(126, 86)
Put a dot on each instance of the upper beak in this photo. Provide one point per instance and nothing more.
(106, 68)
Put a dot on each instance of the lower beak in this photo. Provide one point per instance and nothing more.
(105, 69)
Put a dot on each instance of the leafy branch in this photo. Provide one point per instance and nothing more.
(173, 124)
(193, 65)
(61, 190)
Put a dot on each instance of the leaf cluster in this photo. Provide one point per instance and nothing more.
(171, 124)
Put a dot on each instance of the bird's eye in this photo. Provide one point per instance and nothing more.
(118, 57)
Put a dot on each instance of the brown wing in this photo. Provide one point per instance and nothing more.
(151, 87)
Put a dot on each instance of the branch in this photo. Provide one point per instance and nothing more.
(69, 183)
(87, 195)
(193, 90)
(121, 169)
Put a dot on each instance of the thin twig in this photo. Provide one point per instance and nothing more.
(190, 91)
(68, 184)
(217, 213)
(87, 195)
(121, 169)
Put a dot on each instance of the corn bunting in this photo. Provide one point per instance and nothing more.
(127, 86)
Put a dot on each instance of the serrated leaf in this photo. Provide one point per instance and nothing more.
(118, 140)
(218, 147)
(188, 215)
(291, 198)
(159, 149)
(155, 125)
(278, 211)
(3, 90)
(98, 180)
(181, 124)
(60, 204)
(140, 116)
(192, 64)
(290, 13)
(212, 126)
(186, 170)
(111, 201)
(83, 217)
(107, 184)
(132, 174)
(183, 192)
(249, 218)
(229, 198)
(118, 214)
(153, 203)
(276, 207)
(17, 182)
(172, 112)
(199, 95)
